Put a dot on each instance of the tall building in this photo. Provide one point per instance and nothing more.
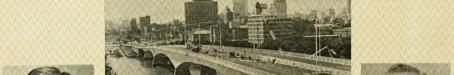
(125, 25)
(134, 27)
(198, 11)
(279, 7)
(264, 29)
(145, 22)
(240, 7)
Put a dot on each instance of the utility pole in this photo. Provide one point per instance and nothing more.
(220, 34)
(316, 42)
(199, 34)
(183, 34)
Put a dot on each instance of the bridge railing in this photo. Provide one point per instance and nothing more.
(289, 54)
(309, 66)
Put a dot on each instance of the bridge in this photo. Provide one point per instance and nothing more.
(217, 60)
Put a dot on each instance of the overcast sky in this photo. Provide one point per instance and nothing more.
(163, 11)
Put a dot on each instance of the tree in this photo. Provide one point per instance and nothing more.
(229, 15)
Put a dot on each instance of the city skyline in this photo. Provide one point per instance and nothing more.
(165, 11)
(205, 37)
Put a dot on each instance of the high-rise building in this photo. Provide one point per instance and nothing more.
(134, 27)
(240, 7)
(145, 22)
(124, 25)
(279, 7)
(199, 11)
(263, 29)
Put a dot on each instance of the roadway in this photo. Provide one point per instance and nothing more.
(341, 66)
(334, 63)
(278, 69)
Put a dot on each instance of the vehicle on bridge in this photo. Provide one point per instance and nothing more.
(193, 47)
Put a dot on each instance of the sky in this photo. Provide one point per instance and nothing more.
(164, 11)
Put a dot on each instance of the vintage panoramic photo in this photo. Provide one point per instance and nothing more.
(405, 69)
(228, 37)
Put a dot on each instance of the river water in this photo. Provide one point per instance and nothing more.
(132, 66)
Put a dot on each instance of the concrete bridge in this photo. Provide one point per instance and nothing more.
(184, 62)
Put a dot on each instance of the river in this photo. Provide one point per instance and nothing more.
(132, 66)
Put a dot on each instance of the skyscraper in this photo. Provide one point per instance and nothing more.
(280, 7)
(145, 22)
(199, 11)
(134, 27)
(240, 7)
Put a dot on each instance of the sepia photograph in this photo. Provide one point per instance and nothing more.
(405, 69)
(228, 37)
(48, 70)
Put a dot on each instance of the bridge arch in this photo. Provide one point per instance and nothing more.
(140, 53)
(190, 68)
(163, 61)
